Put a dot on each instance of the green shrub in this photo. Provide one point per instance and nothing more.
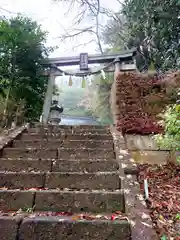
(171, 137)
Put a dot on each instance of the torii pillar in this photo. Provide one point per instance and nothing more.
(119, 66)
(48, 97)
(113, 98)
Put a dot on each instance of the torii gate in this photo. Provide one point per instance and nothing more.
(123, 61)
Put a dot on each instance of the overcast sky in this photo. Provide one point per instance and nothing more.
(53, 18)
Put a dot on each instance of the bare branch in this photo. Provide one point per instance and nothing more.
(83, 44)
(71, 6)
(79, 17)
(5, 10)
(83, 30)
(76, 33)
(120, 2)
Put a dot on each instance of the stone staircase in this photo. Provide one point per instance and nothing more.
(66, 181)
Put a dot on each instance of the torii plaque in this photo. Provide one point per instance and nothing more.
(84, 61)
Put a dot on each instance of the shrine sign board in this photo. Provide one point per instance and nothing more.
(84, 61)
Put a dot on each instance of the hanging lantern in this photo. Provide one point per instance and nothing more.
(70, 81)
(83, 82)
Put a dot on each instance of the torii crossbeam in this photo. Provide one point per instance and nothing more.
(92, 59)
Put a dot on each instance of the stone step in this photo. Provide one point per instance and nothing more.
(89, 137)
(66, 143)
(62, 201)
(25, 165)
(88, 143)
(70, 131)
(76, 180)
(34, 136)
(84, 165)
(39, 125)
(13, 200)
(9, 227)
(87, 127)
(95, 128)
(76, 201)
(59, 165)
(14, 153)
(44, 228)
(96, 153)
(92, 131)
(38, 143)
(61, 128)
(21, 180)
(38, 128)
(50, 153)
(61, 228)
(54, 180)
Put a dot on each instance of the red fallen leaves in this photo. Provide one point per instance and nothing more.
(84, 216)
(140, 98)
(164, 197)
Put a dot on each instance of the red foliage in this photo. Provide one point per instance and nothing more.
(138, 125)
(134, 92)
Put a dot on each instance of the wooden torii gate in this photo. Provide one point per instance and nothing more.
(123, 61)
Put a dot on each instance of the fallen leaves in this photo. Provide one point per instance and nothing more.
(71, 216)
(164, 198)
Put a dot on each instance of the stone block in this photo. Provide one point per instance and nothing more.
(20, 165)
(36, 136)
(104, 180)
(48, 129)
(89, 137)
(76, 201)
(9, 228)
(13, 200)
(97, 153)
(31, 137)
(15, 180)
(91, 131)
(29, 153)
(138, 142)
(87, 127)
(45, 228)
(85, 165)
(89, 144)
(151, 157)
(39, 143)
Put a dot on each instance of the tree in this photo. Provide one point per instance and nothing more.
(151, 26)
(160, 24)
(22, 48)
